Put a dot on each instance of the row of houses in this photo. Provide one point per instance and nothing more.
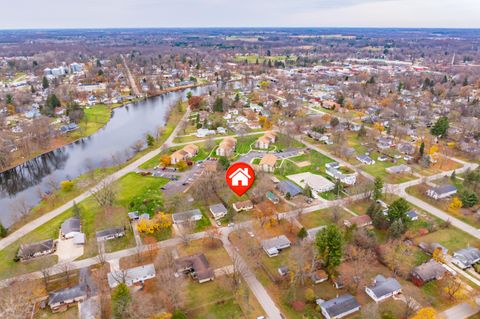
(184, 154)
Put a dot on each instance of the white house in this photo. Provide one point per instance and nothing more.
(339, 307)
(441, 192)
(131, 276)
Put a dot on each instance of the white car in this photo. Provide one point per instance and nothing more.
(251, 234)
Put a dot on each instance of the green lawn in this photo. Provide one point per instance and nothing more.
(95, 118)
(317, 164)
(245, 143)
(322, 217)
(251, 59)
(92, 218)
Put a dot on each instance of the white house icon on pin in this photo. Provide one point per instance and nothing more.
(240, 177)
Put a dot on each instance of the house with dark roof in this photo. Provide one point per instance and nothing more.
(70, 227)
(339, 307)
(429, 248)
(319, 276)
(196, 266)
(431, 270)
(60, 300)
(188, 216)
(383, 288)
(41, 248)
(274, 245)
(466, 257)
(287, 187)
(441, 192)
(110, 233)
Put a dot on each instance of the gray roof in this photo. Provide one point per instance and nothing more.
(289, 187)
(364, 158)
(412, 214)
(429, 271)
(384, 286)
(185, 216)
(218, 209)
(132, 275)
(66, 294)
(71, 225)
(27, 250)
(340, 305)
(110, 231)
(276, 242)
(444, 189)
(467, 256)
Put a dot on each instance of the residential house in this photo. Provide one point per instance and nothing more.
(384, 143)
(188, 216)
(266, 140)
(272, 197)
(412, 215)
(70, 227)
(383, 288)
(287, 187)
(131, 276)
(406, 148)
(339, 307)
(466, 257)
(431, 270)
(41, 248)
(333, 170)
(178, 156)
(267, 163)
(429, 248)
(197, 266)
(60, 300)
(317, 183)
(359, 221)
(226, 147)
(399, 169)
(184, 154)
(319, 276)
(365, 159)
(218, 211)
(441, 192)
(110, 233)
(243, 205)
(274, 245)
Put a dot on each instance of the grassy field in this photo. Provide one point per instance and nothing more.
(92, 218)
(95, 118)
(317, 164)
(322, 217)
(251, 59)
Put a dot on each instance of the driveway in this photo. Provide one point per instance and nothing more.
(67, 251)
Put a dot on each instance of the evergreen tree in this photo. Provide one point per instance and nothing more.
(3, 231)
(50, 105)
(453, 177)
(76, 209)
(377, 188)
(302, 233)
(396, 229)
(440, 127)
(45, 83)
(329, 245)
(422, 149)
(218, 105)
(468, 198)
(150, 140)
(120, 300)
(398, 211)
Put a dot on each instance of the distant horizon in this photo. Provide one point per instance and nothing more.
(237, 28)
(103, 14)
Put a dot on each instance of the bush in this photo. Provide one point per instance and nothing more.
(309, 295)
(66, 186)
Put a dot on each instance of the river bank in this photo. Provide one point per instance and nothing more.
(96, 117)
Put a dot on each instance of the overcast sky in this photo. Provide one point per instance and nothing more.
(245, 13)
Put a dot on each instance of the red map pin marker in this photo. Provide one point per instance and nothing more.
(240, 177)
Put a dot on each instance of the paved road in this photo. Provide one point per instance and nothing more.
(460, 311)
(133, 84)
(267, 303)
(113, 177)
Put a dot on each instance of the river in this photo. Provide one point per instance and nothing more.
(23, 185)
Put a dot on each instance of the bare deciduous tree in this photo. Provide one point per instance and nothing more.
(105, 194)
